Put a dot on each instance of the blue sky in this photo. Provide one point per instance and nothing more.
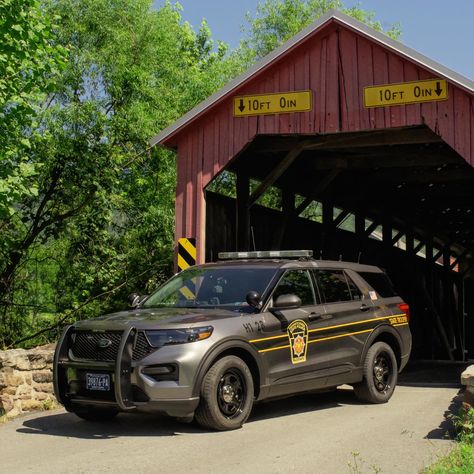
(441, 30)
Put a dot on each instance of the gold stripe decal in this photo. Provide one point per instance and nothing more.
(330, 327)
(395, 320)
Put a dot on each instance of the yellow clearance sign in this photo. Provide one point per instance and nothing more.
(405, 93)
(279, 103)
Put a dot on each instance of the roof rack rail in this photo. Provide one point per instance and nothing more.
(266, 254)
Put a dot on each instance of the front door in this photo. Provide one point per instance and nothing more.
(284, 345)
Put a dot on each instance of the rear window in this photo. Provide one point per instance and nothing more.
(335, 286)
(380, 283)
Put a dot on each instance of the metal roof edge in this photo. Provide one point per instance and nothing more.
(406, 51)
(331, 15)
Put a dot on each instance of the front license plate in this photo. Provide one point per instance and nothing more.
(100, 382)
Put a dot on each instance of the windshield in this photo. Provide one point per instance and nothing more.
(212, 288)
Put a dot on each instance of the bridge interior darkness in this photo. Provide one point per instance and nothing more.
(399, 198)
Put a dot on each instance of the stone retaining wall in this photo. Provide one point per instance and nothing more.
(26, 378)
(467, 379)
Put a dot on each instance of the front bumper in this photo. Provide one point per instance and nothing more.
(130, 390)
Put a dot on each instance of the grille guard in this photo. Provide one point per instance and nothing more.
(122, 371)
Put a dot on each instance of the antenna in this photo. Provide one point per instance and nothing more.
(358, 258)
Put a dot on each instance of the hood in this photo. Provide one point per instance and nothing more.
(151, 318)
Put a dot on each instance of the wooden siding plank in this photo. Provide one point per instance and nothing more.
(413, 111)
(462, 123)
(316, 81)
(349, 81)
(395, 75)
(429, 109)
(180, 203)
(284, 80)
(471, 114)
(303, 84)
(332, 118)
(198, 229)
(366, 78)
(380, 68)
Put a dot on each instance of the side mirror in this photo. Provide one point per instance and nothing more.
(287, 302)
(254, 299)
(133, 300)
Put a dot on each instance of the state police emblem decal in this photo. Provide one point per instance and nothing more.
(298, 336)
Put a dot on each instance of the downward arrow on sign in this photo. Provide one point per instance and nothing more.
(438, 89)
(242, 106)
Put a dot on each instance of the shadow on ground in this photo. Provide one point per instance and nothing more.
(69, 425)
(446, 429)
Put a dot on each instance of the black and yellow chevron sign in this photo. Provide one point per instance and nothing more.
(186, 259)
(186, 253)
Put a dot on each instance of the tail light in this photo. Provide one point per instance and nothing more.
(404, 308)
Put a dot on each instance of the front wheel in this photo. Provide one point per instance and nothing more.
(226, 395)
(380, 375)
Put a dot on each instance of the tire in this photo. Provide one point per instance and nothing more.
(380, 375)
(226, 395)
(94, 413)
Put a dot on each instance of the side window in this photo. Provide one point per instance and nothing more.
(356, 294)
(296, 282)
(334, 286)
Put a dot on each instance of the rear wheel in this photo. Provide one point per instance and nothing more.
(226, 395)
(94, 413)
(380, 375)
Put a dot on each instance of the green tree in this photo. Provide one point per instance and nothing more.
(104, 205)
(276, 21)
(29, 64)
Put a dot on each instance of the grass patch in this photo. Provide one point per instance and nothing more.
(459, 461)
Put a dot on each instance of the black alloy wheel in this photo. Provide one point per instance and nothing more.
(382, 371)
(227, 394)
(380, 375)
(231, 393)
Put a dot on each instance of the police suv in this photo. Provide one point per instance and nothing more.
(216, 338)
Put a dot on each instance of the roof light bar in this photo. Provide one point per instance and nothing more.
(266, 254)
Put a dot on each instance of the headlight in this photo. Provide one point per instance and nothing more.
(163, 337)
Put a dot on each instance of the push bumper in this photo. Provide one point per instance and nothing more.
(127, 395)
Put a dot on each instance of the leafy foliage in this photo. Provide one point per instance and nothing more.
(29, 65)
(276, 21)
(104, 205)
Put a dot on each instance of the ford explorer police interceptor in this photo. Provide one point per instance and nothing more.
(218, 337)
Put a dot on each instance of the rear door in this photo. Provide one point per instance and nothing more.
(350, 319)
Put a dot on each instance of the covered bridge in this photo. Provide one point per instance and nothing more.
(369, 148)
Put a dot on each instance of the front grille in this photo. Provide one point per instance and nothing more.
(142, 347)
(85, 345)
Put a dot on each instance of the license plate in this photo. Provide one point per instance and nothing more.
(99, 382)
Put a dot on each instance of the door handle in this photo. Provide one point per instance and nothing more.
(364, 307)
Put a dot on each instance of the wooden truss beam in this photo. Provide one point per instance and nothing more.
(275, 174)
